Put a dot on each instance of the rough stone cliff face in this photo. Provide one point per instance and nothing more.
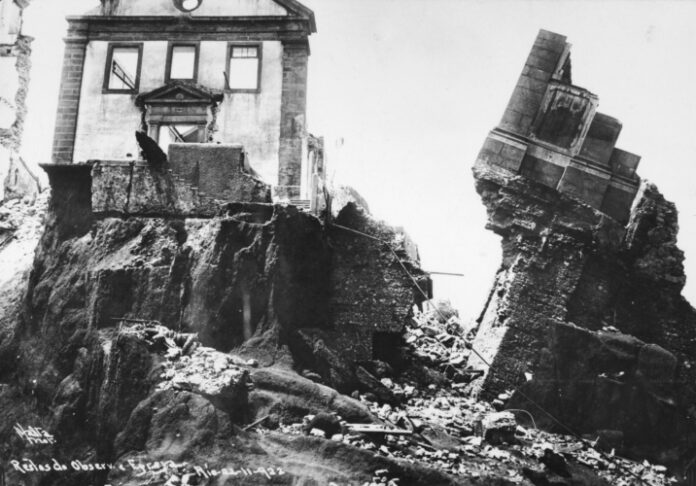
(79, 354)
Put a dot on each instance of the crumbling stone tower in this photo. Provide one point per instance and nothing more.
(585, 319)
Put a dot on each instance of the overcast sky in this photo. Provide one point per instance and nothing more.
(405, 91)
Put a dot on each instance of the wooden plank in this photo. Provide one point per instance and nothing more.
(376, 429)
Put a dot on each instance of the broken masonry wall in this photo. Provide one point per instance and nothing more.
(194, 182)
(270, 278)
(544, 253)
(16, 179)
(586, 315)
(572, 277)
(372, 296)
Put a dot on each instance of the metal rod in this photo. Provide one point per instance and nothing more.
(444, 273)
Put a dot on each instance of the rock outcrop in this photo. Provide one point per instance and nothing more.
(103, 346)
(586, 316)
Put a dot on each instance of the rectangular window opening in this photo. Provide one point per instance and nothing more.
(182, 62)
(180, 133)
(244, 68)
(123, 68)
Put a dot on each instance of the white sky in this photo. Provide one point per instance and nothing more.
(411, 87)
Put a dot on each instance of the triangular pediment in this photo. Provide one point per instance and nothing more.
(207, 8)
(179, 93)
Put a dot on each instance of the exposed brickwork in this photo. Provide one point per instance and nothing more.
(368, 304)
(69, 100)
(293, 112)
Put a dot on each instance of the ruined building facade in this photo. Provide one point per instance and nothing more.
(193, 71)
(16, 179)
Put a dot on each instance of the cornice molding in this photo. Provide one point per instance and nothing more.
(139, 28)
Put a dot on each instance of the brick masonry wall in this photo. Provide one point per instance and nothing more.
(364, 303)
(293, 111)
(69, 100)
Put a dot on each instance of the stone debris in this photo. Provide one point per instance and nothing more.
(498, 428)
(22, 220)
(325, 424)
(445, 428)
(381, 478)
(206, 371)
(441, 341)
(188, 365)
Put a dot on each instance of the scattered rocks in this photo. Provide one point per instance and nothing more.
(327, 423)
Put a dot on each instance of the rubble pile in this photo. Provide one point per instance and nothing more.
(439, 340)
(437, 427)
(22, 219)
(454, 432)
(188, 365)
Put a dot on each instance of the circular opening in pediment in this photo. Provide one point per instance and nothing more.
(187, 5)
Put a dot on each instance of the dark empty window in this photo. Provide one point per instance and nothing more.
(244, 67)
(182, 62)
(123, 68)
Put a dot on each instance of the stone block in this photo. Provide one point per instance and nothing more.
(525, 102)
(624, 163)
(218, 171)
(501, 154)
(150, 192)
(583, 185)
(531, 84)
(511, 157)
(511, 121)
(498, 428)
(550, 45)
(492, 145)
(546, 173)
(617, 202)
(545, 61)
(536, 73)
(601, 138)
(205, 162)
(551, 37)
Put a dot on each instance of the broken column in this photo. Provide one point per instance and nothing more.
(15, 51)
